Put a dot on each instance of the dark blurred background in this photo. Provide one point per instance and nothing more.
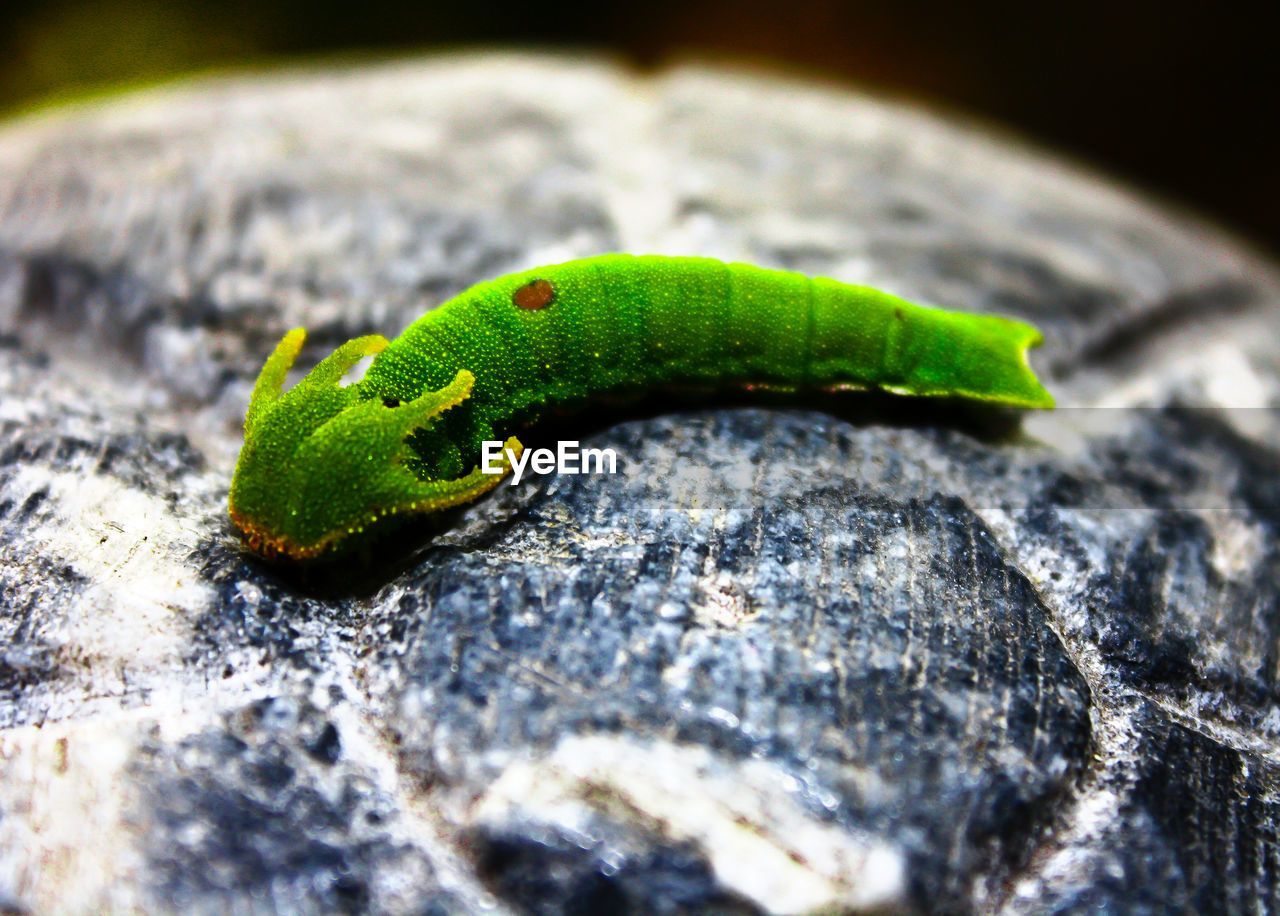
(1177, 98)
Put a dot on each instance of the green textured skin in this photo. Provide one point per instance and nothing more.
(322, 461)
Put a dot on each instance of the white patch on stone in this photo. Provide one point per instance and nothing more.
(743, 817)
(129, 545)
(65, 842)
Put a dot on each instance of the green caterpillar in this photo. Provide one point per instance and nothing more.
(322, 462)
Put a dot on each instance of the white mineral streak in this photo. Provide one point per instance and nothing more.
(743, 817)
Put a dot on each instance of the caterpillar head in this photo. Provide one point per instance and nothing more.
(320, 464)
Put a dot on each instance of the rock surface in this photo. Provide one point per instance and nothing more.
(839, 655)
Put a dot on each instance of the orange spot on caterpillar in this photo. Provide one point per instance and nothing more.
(534, 295)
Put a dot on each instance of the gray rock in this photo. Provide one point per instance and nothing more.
(827, 655)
